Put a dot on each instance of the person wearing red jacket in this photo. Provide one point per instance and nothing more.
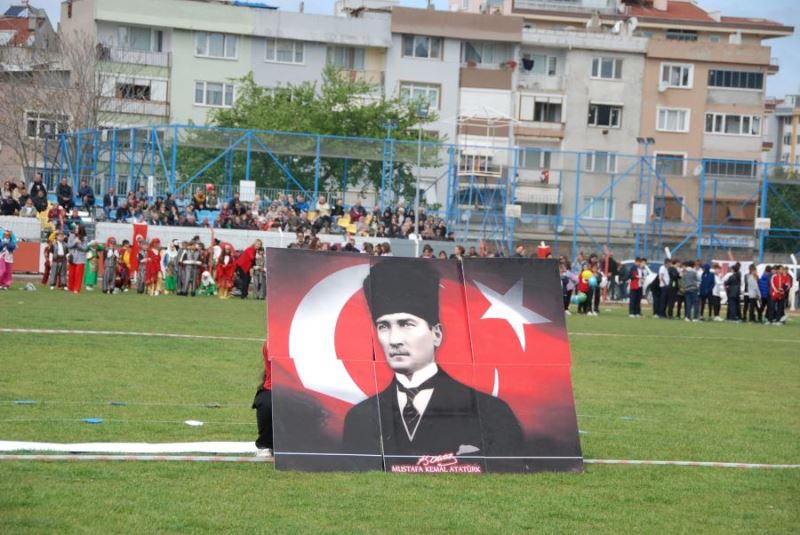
(225, 270)
(778, 290)
(636, 290)
(262, 403)
(244, 264)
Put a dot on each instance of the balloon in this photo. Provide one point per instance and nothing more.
(581, 297)
(593, 282)
(586, 274)
(575, 299)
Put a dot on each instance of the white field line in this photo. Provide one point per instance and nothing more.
(129, 333)
(673, 337)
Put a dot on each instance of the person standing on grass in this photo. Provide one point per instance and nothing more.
(706, 291)
(691, 286)
(752, 294)
(716, 293)
(92, 265)
(764, 312)
(733, 288)
(8, 243)
(594, 305)
(262, 403)
(77, 259)
(58, 263)
(110, 261)
(672, 288)
(224, 272)
(663, 283)
(681, 289)
(778, 289)
(636, 283)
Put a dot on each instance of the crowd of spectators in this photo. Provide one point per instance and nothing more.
(205, 208)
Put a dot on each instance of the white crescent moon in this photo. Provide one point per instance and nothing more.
(312, 335)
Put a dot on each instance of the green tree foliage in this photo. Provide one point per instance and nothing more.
(338, 106)
(783, 194)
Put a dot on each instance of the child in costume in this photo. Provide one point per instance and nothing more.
(110, 263)
(225, 270)
(168, 267)
(48, 248)
(152, 274)
(141, 272)
(260, 275)
(92, 264)
(207, 286)
(58, 262)
(123, 279)
(8, 243)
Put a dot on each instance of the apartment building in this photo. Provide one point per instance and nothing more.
(782, 131)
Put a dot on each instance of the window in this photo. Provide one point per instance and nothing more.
(732, 168)
(598, 207)
(735, 79)
(670, 164)
(540, 108)
(540, 64)
(284, 51)
(346, 57)
(668, 208)
(420, 46)
(677, 74)
(607, 68)
(414, 92)
(605, 115)
(682, 35)
(213, 94)
(215, 45)
(45, 125)
(485, 53)
(736, 125)
(133, 91)
(138, 38)
(534, 158)
(601, 162)
(673, 120)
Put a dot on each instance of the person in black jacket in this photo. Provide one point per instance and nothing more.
(37, 185)
(733, 287)
(64, 194)
(423, 411)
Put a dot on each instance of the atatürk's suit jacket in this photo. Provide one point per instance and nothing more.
(449, 423)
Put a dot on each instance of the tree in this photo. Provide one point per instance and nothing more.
(340, 106)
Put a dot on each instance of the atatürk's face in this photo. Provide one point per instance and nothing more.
(408, 342)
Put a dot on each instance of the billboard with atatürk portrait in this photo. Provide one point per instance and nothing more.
(418, 365)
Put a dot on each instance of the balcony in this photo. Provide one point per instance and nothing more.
(569, 39)
(539, 179)
(537, 130)
(135, 57)
(541, 82)
(774, 65)
(134, 106)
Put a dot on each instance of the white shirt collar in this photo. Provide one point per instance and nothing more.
(418, 377)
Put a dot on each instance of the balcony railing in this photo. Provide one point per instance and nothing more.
(134, 106)
(540, 82)
(137, 57)
(605, 7)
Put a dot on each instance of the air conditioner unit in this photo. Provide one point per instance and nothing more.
(663, 86)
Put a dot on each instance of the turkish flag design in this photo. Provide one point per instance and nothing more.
(504, 338)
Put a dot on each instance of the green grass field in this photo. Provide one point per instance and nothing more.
(644, 389)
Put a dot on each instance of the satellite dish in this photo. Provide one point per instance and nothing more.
(698, 170)
(633, 23)
(617, 27)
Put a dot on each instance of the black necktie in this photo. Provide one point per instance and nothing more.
(411, 415)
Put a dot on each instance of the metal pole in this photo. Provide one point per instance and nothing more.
(647, 201)
(576, 209)
(173, 160)
(416, 193)
(316, 168)
(701, 209)
(762, 234)
(131, 180)
(713, 218)
(247, 161)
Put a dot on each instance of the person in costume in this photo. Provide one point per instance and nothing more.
(123, 279)
(48, 249)
(260, 275)
(141, 272)
(423, 411)
(244, 264)
(58, 262)
(152, 272)
(77, 246)
(169, 267)
(8, 243)
(207, 285)
(110, 263)
(224, 271)
(92, 264)
(191, 267)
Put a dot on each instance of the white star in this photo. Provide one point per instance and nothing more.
(509, 307)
